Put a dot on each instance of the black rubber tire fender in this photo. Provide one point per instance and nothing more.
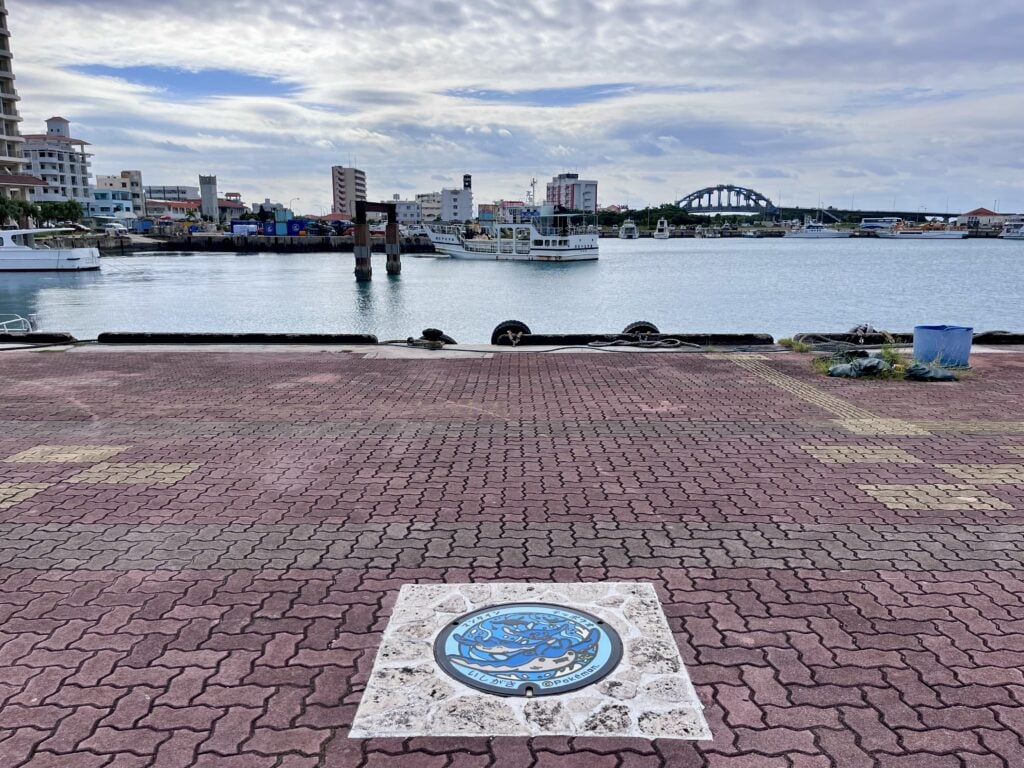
(641, 326)
(509, 326)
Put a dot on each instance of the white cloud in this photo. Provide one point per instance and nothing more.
(872, 99)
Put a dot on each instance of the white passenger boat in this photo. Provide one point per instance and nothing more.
(816, 230)
(1013, 233)
(900, 232)
(628, 230)
(547, 236)
(662, 231)
(19, 253)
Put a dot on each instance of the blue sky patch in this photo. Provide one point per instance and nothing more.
(547, 97)
(202, 83)
(570, 96)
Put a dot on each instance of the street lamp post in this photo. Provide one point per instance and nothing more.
(290, 204)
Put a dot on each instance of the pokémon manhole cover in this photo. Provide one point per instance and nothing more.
(464, 659)
(528, 649)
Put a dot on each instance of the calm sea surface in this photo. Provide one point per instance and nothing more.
(774, 286)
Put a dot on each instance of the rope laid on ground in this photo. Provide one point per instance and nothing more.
(4, 348)
(645, 343)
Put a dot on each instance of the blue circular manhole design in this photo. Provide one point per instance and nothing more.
(528, 649)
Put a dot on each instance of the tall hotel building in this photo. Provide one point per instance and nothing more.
(569, 191)
(14, 183)
(348, 186)
(61, 161)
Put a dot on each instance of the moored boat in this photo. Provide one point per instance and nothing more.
(1013, 233)
(546, 236)
(628, 230)
(662, 231)
(903, 232)
(19, 253)
(816, 230)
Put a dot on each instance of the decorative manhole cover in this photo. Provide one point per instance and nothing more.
(527, 649)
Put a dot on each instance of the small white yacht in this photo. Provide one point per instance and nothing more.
(816, 230)
(1013, 233)
(19, 253)
(663, 230)
(628, 230)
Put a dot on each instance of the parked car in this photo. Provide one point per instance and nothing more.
(318, 229)
(113, 228)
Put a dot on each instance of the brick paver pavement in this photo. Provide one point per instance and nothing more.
(199, 551)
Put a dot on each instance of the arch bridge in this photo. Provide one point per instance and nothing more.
(726, 198)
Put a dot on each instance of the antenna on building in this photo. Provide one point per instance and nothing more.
(532, 194)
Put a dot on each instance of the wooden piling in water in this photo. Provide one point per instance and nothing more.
(364, 269)
(393, 247)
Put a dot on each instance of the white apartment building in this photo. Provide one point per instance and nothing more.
(407, 211)
(348, 186)
(175, 192)
(430, 205)
(457, 204)
(61, 162)
(570, 191)
(116, 204)
(14, 182)
(130, 181)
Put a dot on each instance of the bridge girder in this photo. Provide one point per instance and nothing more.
(736, 200)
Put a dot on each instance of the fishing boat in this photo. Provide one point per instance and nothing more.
(628, 230)
(927, 232)
(543, 236)
(817, 231)
(20, 253)
(662, 230)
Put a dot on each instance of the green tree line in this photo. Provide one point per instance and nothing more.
(21, 211)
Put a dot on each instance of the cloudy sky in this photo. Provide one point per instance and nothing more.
(877, 102)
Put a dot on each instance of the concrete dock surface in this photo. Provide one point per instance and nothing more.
(200, 549)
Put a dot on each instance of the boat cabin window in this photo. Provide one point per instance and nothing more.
(538, 242)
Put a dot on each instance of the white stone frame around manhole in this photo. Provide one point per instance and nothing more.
(648, 695)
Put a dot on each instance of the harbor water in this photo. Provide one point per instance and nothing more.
(777, 286)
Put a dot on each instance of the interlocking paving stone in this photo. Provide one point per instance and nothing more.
(986, 473)
(141, 473)
(232, 618)
(66, 454)
(801, 389)
(942, 496)
(873, 426)
(423, 545)
(861, 454)
(15, 493)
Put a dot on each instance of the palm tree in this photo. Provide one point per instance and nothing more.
(7, 209)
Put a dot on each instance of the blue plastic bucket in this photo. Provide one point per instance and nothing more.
(948, 346)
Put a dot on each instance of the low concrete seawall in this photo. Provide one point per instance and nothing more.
(260, 244)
